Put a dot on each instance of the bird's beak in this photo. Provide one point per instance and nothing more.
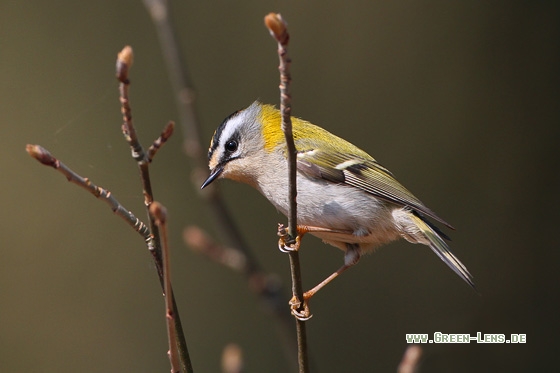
(216, 172)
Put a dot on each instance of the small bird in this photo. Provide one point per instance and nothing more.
(344, 196)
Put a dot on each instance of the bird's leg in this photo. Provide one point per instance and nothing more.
(351, 257)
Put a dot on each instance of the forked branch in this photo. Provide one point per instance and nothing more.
(150, 233)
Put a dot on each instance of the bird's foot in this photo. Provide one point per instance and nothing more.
(283, 244)
(300, 309)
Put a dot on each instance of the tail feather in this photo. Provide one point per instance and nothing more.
(440, 248)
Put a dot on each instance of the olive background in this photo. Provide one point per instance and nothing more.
(459, 99)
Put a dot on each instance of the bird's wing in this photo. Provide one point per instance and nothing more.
(360, 171)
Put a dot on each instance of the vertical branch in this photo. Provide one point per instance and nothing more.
(124, 62)
(159, 215)
(279, 32)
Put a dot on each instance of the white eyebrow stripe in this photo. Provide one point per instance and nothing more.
(232, 126)
(346, 164)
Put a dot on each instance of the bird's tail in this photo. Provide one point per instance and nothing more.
(439, 246)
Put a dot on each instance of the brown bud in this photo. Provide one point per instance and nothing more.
(126, 56)
(168, 130)
(41, 154)
(277, 27)
(124, 62)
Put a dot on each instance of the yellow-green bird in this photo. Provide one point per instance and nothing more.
(344, 196)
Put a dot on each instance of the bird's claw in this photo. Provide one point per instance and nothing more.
(299, 310)
(284, 236)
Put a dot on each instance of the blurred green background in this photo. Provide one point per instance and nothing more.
(459, 99)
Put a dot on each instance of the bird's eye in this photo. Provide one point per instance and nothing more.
(231, 145)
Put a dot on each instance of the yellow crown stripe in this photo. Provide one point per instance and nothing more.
(272, 127)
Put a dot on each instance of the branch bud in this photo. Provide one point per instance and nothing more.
(41, 154)
(277, 27)
(125, 58)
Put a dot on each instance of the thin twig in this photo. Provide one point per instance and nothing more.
(45, 157)
(278, 30)
(159, 214)
(124, 62)
(162, 139)
(192, 145)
